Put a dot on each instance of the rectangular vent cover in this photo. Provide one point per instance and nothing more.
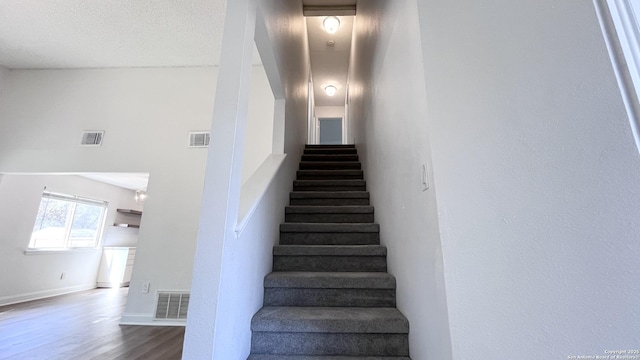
(199, 139)
(92, 138)
(172, 305)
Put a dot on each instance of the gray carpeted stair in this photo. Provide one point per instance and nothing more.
(329, 214)
(330, 165)
(329, 185)
(303, 357)
(329, 198)
(305, 288)
(329, 296)
(329, 157)
(330, 174)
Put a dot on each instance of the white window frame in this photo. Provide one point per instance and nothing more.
(74, 200)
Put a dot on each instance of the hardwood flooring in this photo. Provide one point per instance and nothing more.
(82, 326)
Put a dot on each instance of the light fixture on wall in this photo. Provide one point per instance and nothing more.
(331, 24)
(330, 90)
(141, 196)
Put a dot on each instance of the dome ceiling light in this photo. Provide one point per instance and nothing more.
(331, 24)
(330, 90)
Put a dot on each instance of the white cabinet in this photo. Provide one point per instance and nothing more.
(116, 266)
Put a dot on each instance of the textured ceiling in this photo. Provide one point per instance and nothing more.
(110, 33)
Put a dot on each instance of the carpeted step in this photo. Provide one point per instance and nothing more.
(330, 157)
(330, 165)
(330, 150)
(305, 357)
(350, 331)
(329, 214)
(331, 258)
(366, 289)
(329, 174)
(325, 146)
(329, 234)
(329, 185)
(329, 198)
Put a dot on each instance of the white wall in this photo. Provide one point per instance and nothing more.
(388, 110)
(33, 276)
(230, 262)
(146, 115)
(4, 74)
(537, 180)
(259, 137)
(330, 111)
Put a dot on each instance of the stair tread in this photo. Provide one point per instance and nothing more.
(329, 182)
(330, 227)
(321, 146)
(329, 250)
(329, 280)
(329, 171)
(329, 194)
(329, 209)
(307, 357)
(330, 320)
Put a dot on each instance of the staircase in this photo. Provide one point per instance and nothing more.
(329, 295)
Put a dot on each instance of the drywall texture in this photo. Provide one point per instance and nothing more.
(536, 174)
(259, 136)
(146, 115)
(388, 110)
(33, 276)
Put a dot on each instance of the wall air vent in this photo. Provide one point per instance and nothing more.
(92, 138)
(171, 305)
(199, 139)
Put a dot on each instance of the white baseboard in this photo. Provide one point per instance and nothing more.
(36, 295)
(147, 320)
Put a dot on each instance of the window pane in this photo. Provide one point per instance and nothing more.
(85, 225)
(50, 227)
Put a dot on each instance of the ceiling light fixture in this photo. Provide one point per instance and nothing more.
(330, 90)
(141, 196)
(331, 24)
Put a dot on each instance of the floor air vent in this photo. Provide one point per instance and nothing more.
(199, 139)
(172, 305)
(92, 138)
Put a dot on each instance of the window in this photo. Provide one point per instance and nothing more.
(66, 221)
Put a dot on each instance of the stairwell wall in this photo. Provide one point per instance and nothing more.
(227, 296)
(387, 118)
(4, 74)
(537, 179)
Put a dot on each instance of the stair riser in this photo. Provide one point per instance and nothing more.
(330, 344)
(316, 165)
(329, 188)
(323, 201)
(330, 151)
(330, 157)
(329, 263)
(330, 146)
(305, 238)
(329, 218)
(331, 176)
(329, 297)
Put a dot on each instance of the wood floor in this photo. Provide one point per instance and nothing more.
(82, 326)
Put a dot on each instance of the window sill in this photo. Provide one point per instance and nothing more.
(59, 251)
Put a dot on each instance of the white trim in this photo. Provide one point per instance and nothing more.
(254, 189)
(37, 295)
(614, 37)
(37, 251)
(148, 320)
